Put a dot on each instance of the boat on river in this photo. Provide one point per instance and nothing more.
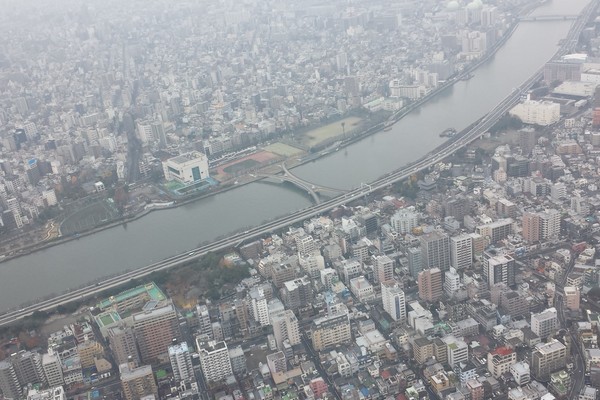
(448, 132)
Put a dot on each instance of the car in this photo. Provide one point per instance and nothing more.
(191, 253)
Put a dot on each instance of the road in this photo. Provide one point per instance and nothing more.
(439, 154)
(578, 375)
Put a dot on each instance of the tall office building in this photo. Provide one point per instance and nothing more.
(415, 261)
(461, 251)
(181, 362)
(383, 269)
(545, 323)
(330, 330)
(430, 284)
(498, 269)
(137, 382)
(435, 250)
(285, 327)
(121, 339)
(155, 330)
(214, 360)
(394, 300)
(9, 384)
(547, 358)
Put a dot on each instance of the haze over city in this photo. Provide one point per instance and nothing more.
(299, 200)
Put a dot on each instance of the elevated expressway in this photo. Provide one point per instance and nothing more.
(458, 141)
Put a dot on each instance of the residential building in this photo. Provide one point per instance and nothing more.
(155, 330)
(572, 297)
(52, 369)
(362, 289)
(500, 360)
(383, 269)
(423, 350)
(285, 328)
(547, 358)
(181, 362)
(458, 351)
(499, 269)
(121, 339)
(545, 323)
(9, 384)
(297, 293)
(461, 251)
(435, 250)
(520, 372)
(430, 284)
(330, 330)
(137, 382)
(214, 360)
(238, 360)
(394, 301)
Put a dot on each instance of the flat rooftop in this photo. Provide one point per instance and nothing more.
(150, 289)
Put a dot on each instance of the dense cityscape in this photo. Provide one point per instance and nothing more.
(474, 278)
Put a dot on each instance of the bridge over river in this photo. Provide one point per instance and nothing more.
(312, 189)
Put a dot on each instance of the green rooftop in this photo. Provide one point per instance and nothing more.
(107, 318)
(150, 289)
(161, 374)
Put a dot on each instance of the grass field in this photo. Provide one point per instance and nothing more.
(282, 149)
(241, 166)
(319, 135)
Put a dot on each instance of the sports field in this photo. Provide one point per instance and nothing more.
(282, 149)
(319, 135)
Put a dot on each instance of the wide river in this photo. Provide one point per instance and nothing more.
(165, 233)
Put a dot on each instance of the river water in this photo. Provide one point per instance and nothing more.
(165, 233)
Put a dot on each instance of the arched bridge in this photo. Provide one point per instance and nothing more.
(548, 17)
(312, 189)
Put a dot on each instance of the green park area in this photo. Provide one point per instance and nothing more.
(329, 131)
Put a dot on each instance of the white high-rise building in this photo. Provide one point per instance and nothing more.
(285, 327)
(214, 360)
(181, 362)
(404, 220)
(461, 251)
(451, 282)
(394, 300)
(545, 323)
(260, 307)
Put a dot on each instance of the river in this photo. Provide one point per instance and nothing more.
(167, 232)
